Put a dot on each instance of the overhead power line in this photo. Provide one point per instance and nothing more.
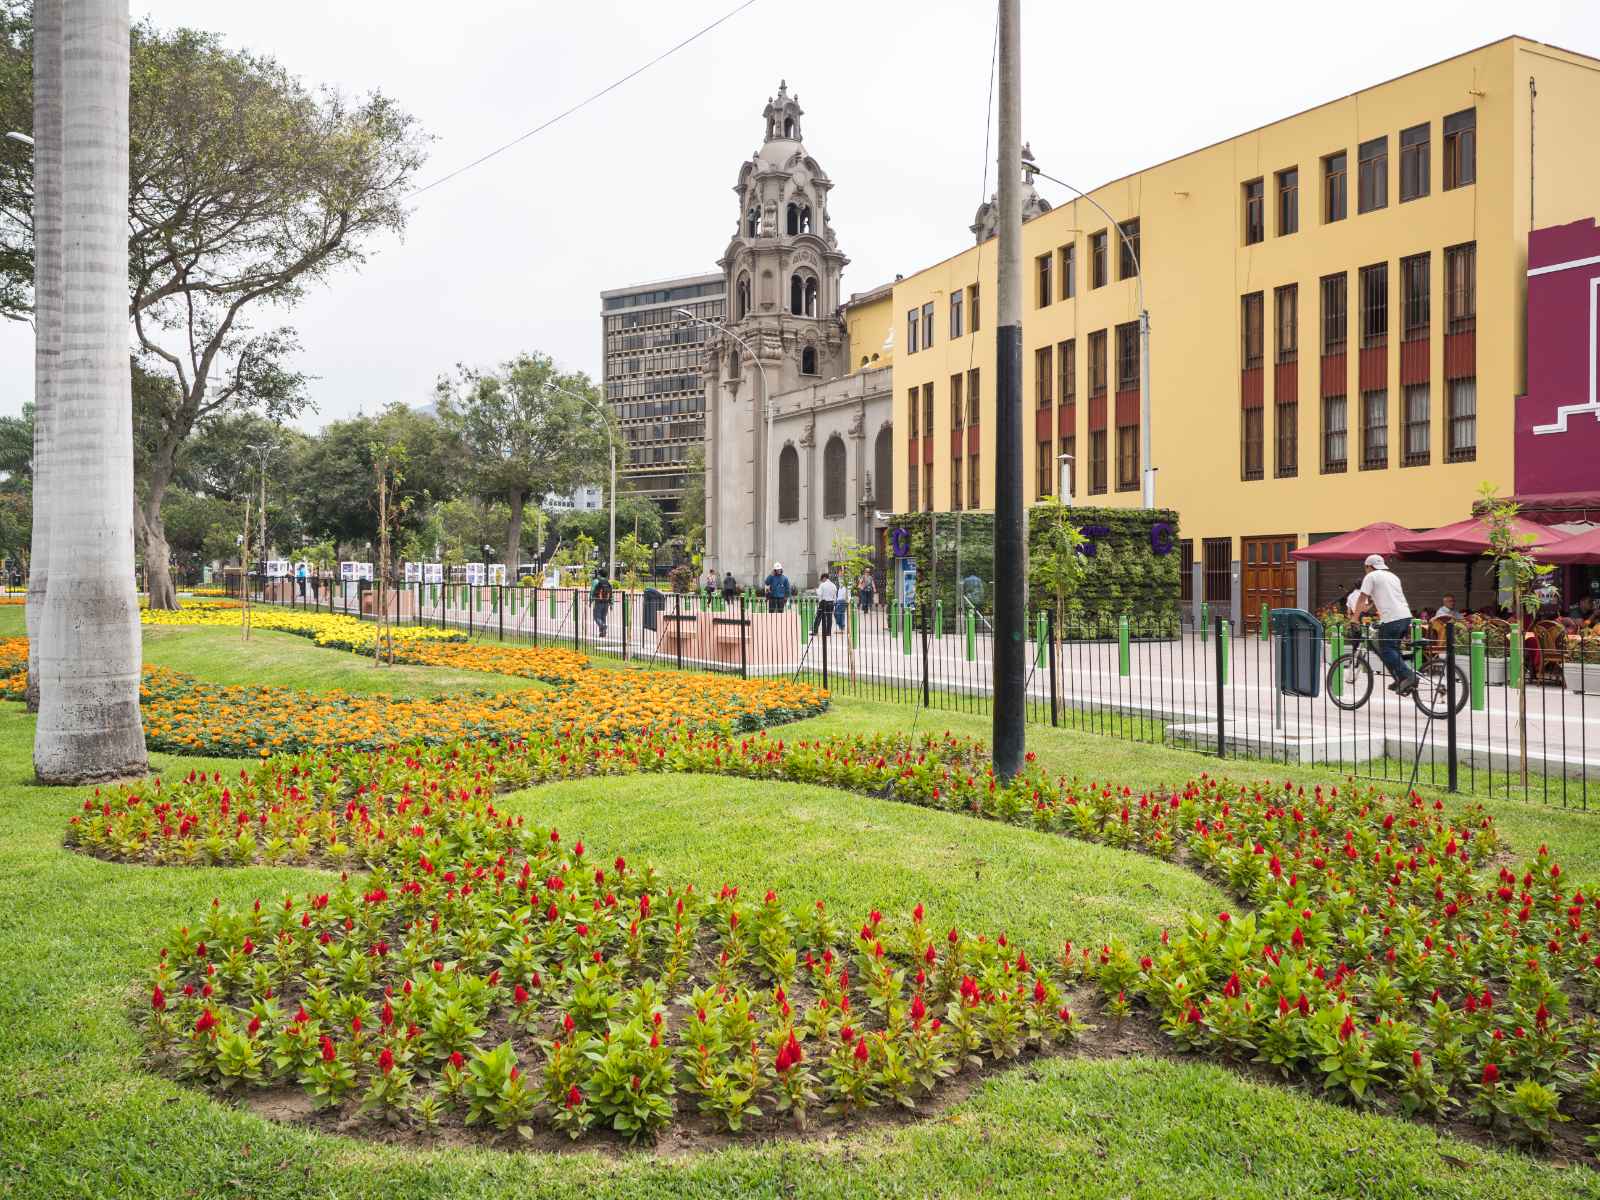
(584, 103)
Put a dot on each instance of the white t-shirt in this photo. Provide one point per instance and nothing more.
(1383, 587)
(1350, 601)
(827, 591)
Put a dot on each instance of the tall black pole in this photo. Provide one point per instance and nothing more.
(1010, 555)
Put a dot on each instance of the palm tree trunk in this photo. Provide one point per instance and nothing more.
(47, 306)
(89, 727)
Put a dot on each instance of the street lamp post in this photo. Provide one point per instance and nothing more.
(1064, 489)
(263, 452)
(766, 403)
(1148, 494)
(605, 420)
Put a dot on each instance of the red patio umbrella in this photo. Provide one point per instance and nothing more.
(1579, 548)
(1470, 539)
(1377, 538)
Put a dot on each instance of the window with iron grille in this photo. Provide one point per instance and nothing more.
(1067, 364)
(915, 421)
(1375, 429)
(1372, 160)
(912, 502)
(1097, 462)
(1463, 398)
(958, 408)
(1287, 418)
(955, 314)
(1097, 363)
(1375, 305)
(1416, 422)
(788, 484)
(972, 306)
(1460, 148)
(973, 410)
(927, 324)
(927, 408)
(1288, 201)
(1286, 322)
(1044, 469)
(1218, 570)
(1127, 458)
(1335, 435)
(1129, 253)
(927, 487)
(1414, 296)
(833, 477)
(1097, 259)
(1186, 572)
(913, 320)
(1461, 288)
(1335, 187)
(1128, 357)
(972, 481)
(1414, 163)
(1250, 443)
(1255, 221)
(1069, 271)
(1335, 312)
(1045, 291)
(955, 484)
(1044, 376)
(1250, 317)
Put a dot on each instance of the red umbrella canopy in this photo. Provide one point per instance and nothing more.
(1377, 538)
(1470, 539)
(1580, 548)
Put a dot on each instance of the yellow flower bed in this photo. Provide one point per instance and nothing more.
(527, 662)
(332, 630)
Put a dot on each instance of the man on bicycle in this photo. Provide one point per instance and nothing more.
(1381, 590)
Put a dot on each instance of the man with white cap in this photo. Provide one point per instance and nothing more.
(777, 587)
(1381, 590)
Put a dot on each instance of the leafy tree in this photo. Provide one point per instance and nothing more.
(1516, 570)
(691, 519)
(1056, 562)
(201, 528)
(633, 560)
(638, 515)
(245, 188)
(527, 430)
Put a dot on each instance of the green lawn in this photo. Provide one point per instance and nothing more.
(79, 1118)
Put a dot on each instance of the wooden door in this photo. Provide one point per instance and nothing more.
(1268, 575)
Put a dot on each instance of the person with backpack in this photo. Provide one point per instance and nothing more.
(777, 587)
(730, 588)
(600, 600)
(865, 589)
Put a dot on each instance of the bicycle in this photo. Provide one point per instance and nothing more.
(1350, 675)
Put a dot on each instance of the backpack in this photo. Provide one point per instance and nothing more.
(602, 591)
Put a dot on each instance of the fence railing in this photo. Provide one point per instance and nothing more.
(1210, 688)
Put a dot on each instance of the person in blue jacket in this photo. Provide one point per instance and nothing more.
(777, 587)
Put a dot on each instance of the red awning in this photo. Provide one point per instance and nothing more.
(1377, 538)
(1470, 539)
(1580, 548)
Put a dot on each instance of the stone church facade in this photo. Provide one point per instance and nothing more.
(798, 443)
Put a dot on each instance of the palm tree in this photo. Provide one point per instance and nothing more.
(47, 308)
(89, 727)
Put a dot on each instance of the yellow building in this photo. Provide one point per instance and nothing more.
(1336, 303)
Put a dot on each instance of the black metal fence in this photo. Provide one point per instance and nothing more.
(1527, 725)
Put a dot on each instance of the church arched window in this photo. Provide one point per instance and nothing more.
(788, 130)
(742, 297)
(808, 360)
(793, 215)
(810, 297)
(797, 295)
(833, 483)
(883, 468)
(733, 365)
(788, 484)
(805, 218)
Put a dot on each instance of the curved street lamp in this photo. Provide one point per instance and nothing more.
(1149, 482)
(766, 403)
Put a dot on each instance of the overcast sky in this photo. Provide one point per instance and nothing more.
(512, 255)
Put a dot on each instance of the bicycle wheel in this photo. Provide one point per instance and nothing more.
(1433, 689)
(1350, 681)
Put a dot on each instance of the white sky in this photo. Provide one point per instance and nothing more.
(512, 255)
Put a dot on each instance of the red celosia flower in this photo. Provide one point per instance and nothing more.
(574, 1096)
(847, 1035)
(1491, 1074)
(386, 1060)
(861, 1050)
(1416, 1059)
(919, 1010)
(327, 1049)
(1347, 1030)
(520, 995)
(206, 1022)
(568, 1023)
(456, 1060)
(158, 999)
(254, 1027)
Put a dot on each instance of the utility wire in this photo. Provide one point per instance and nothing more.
(561, 116)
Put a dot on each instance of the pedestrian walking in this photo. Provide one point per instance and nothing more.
(730, 588)
(777, 588)
(865, 588)
(827, 598)
(600, 600)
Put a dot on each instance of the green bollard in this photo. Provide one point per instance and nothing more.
(907, 620)
(972, 635)
(552, 604)
(805, 623)
(1416, 644)
(855, 627)
(1124, 656)
(1335, 651)
(1040, 636)
(1224, 644)
(938, 618)
(1205, 622)
(1514, 659)
(1478, 672)
(1266, 622)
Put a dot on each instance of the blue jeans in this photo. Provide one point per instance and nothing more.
(1390, 635)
